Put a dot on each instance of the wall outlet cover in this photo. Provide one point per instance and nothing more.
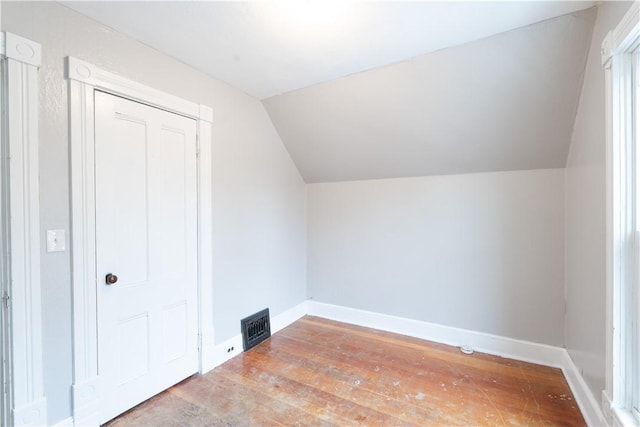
(56, 241)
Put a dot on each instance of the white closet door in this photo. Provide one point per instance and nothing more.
(146, 240)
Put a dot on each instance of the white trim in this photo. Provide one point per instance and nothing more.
(224, 351)
(85, 357)
(5, 225)
(205, 241)
(622, 238)
(22, 50)
(615, 416)
(33, 413)
(92, 76)
(287, 317)
(624, 38)
(487, 343)
(625, 35)
(232, 347)
(582, 394)
(21, 223)
(86, 401)
(67, 422)
(623, 418)
(84, 79)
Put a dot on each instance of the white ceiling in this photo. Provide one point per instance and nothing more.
(366, 90)
(269, 48)
(506, 102)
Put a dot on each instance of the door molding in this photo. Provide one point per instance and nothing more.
(24, 403)
(84, 78)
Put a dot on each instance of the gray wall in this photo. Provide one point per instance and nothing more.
(481, 251)
(505, 102)
(585, 205)
(259, 196)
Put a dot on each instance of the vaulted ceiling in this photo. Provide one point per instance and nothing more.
(365, 90)
(506, 102)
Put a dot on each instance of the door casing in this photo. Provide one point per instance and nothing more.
(5, 374)
(84, 79)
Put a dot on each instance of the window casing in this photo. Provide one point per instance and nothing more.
(633, 307)
(634, 315)
(622, 68)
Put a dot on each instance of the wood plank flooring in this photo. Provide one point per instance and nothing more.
(318, 372)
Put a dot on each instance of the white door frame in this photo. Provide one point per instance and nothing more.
(84, 78)
(24, 403)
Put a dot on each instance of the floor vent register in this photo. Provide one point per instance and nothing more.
(255, 329)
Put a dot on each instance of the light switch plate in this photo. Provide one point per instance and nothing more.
(56, 241)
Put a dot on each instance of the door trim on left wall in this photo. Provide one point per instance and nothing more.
(23, 400)
(84, 79)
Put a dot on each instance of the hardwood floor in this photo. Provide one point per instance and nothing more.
(320, 372)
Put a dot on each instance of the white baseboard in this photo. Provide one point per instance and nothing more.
(286, 318)
(608, 411)
(86, 402)
(487, 343)
(233, 346)
(67, 422)
(587, 403)
(492, 344)
(616, 416)
(207, 358)
(207, 350)
(226, 350)
(32, 414)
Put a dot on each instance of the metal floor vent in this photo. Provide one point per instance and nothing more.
(255, 329)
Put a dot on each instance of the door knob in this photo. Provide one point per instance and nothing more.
(111, 279)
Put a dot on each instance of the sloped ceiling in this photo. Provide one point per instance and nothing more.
(506, 102)
(271, 47)
(473, 86)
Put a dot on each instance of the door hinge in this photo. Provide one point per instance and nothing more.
(5, 300)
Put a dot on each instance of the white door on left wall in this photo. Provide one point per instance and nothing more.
(146, 250)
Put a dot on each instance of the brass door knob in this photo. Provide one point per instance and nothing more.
(111, 279)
